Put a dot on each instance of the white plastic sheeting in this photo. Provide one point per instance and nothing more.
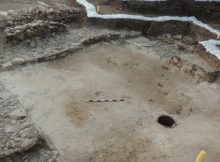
(211, 47)
(91, 12)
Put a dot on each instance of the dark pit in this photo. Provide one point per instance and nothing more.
(166, 121)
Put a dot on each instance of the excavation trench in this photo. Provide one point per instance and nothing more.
(150, 67)
(136, 70)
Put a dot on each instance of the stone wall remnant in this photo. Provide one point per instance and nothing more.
(35, 29)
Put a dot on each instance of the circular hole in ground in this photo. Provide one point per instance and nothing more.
(166, 121)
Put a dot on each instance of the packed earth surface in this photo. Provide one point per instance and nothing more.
(100, 81)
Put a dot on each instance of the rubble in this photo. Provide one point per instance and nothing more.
(35, 29)
(56, 12)
(17, 133)
(194, 70)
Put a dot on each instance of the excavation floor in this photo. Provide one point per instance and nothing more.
(126, 131)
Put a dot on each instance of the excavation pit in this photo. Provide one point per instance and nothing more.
(153, 64)
(135, 69)
(166, 121)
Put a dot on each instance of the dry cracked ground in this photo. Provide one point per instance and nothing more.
(46, 82)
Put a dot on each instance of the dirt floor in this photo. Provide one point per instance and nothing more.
(137, 71)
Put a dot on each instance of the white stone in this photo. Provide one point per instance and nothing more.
(10, 129)
(6, 65)
(3, 13)
(11, 12)
(178, 36)
(17, 61)
(42, 3)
